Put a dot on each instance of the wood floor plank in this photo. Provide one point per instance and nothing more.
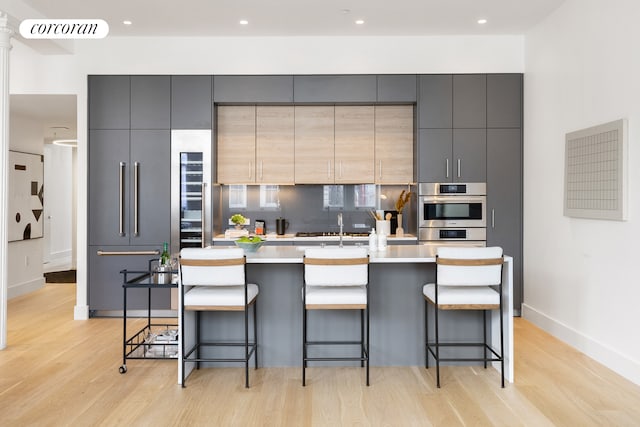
(57, 371)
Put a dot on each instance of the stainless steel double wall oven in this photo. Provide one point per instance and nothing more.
(452, 214)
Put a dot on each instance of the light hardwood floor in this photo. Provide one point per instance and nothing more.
(57, 371)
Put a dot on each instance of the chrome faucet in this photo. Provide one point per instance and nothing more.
(340, 224)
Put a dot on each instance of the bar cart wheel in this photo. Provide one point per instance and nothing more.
(123, 369)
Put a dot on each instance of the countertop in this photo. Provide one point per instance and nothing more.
(393, 254)
(272, 237)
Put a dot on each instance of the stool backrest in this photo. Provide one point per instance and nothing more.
(469, 266)
(335, 266)
(212, 267)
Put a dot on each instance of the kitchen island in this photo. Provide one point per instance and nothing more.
(396, 278)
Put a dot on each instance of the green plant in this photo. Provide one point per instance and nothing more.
(238, 219)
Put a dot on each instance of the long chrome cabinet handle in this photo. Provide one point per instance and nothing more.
(447, 175)
(493, 218)
(380, 169)
(203, 217)
(328, 168)
(110, 253)
(459, 168)
(123, 166)
(136, 177)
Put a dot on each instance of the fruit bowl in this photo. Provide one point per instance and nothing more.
(251, 244)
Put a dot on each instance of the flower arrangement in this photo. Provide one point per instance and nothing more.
(403, 199)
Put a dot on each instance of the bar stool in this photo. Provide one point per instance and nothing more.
(336, 279)
(467, 278)
(215, 280)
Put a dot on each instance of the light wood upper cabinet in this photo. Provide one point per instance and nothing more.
(236, 144)
(394, 144)
(275, 144)
(354, 144)
(314, 144)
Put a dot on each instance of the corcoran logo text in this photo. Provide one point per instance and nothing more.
(64, 28)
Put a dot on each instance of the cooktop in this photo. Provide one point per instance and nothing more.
(329, 233)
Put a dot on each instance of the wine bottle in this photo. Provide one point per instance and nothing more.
(164, 257)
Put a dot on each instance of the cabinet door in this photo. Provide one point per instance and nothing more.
(150, 102)
(355, 88)
(504, 100)
(109, 102)
(435, 101)
(397, 88)
(314, 144)
(504, 198)
(469, 101)
(469, 155)
(109, 175)
(354, 144)
(150, 212)
(253, 89)
(435, 151)
(105, 281)
(394, 144)
(275, 144)
(191, 102)
(236, 144)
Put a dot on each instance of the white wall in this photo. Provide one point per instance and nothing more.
(580, 276)
(24, 258)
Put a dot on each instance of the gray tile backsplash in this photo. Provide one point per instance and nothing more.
(303, 207)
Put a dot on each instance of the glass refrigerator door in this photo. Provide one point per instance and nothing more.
(192, 192)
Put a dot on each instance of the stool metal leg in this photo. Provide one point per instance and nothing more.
(484, 332)
(255, 334)
(246, 347)
(362, 338)
(437, 344)
(304, 342)
(368, 335)
(426, 334)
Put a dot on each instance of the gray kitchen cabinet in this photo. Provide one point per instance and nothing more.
(469, 158)
(452, 155)
(469, 101)
(435, 101)
(113, 155)
(150, 102)
(504, 100)
(434, 153)
(191, 102)
(109, 106)
(335, 88)
(254, 89)
(504, 199)
(397, 88)
(105, 281)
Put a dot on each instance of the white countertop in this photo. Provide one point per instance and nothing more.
(294, 254)
(272, 237)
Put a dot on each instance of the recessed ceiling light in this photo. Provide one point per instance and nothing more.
(482, 21)
(244, 22)
(345, 11)
(127, 22)
(360, 22)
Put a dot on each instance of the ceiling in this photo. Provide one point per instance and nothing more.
(304, 18)
(277, 18)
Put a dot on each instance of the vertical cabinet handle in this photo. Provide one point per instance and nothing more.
(340, 168)
(261, 168)
(136, 177)
(447, 168)
(250, 169)
(493, 218)
(380, 169)
(203, 217)
(123, 166)
(328, 168)
(459, 168)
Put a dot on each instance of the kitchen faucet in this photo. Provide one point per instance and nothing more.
(340, 224)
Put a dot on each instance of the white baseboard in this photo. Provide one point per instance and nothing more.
(24, 287)
(81, 312)
(608, 356)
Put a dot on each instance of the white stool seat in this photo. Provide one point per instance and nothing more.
(336, 295)
(223, 296)
(461, 295)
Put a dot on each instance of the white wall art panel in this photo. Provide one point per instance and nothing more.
(26, 195)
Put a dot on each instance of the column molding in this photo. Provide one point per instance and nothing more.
(5, 47)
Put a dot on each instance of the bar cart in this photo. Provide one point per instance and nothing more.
(154, 340)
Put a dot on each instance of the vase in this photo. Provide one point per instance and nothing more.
(239, 226)
(399, 230)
